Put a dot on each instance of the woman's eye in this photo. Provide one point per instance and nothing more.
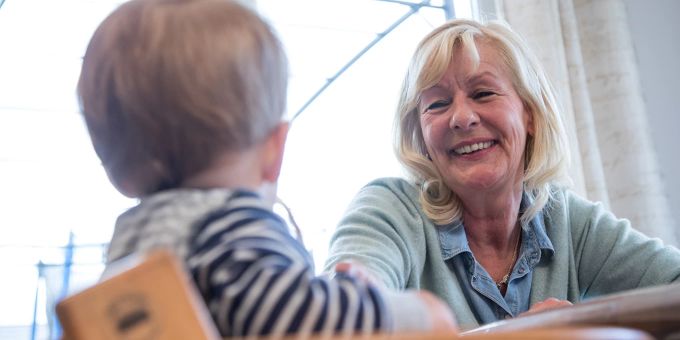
(438, 104)
(482, 94)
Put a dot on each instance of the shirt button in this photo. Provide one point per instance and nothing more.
(521, 270)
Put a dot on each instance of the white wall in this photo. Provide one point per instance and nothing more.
(655, 28)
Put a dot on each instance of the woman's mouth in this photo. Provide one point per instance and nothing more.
(472, 148)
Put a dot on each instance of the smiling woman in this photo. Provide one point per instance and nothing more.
(474, 80)
(484, 219)
(476, 135)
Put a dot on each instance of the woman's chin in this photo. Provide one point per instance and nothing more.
(480, 181)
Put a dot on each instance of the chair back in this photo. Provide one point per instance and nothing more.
(145, 297)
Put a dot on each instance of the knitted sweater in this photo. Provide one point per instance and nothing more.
(595, 253)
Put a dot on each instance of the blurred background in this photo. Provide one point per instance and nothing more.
(348, 57)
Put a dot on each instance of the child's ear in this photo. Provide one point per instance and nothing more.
(275, 146)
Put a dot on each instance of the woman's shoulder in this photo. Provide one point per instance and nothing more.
(390, 194)
(573, 209)
(397, 184)
(572, 201)
(389, 188)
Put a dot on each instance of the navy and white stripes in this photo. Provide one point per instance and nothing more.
(255, 277)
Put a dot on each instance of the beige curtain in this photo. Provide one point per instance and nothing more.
(588, 53)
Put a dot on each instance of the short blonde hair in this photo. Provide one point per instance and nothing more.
(167, 85)
(546, 154)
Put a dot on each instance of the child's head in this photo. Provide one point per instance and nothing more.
(167, 86)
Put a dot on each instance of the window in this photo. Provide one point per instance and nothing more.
(342, 139)
(54, 193)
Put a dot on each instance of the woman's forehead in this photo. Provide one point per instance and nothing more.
(472, 64)
(480, 57)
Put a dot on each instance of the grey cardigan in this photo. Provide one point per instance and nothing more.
(596, 253)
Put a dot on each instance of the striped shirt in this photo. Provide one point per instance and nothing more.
(255, 278)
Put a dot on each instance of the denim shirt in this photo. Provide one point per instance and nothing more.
(480, 290)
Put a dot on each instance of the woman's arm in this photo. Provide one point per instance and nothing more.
(611, 256)
(381, 230)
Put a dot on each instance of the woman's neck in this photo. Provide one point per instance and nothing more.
(491, 219)
(492, 229)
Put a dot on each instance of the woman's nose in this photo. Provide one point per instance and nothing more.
(463, 117)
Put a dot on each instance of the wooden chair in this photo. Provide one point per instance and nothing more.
(150, 297)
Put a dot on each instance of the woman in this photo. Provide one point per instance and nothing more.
(483, 222)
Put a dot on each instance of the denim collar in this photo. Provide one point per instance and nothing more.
(453, 240)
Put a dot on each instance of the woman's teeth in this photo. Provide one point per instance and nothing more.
(473, 147)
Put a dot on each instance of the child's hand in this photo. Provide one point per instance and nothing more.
(439, 312)
(549, 303)
(358, 271)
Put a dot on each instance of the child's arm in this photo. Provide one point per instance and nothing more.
(256, 280)
(435, 313)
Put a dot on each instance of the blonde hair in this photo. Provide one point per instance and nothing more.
(546, 154)
(167, 85)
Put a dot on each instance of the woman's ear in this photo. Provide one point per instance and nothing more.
(275, 146)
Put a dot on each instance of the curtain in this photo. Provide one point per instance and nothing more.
(586, 48)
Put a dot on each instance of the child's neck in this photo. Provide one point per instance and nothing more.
(230, 170)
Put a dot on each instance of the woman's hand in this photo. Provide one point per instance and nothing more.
(549, 303)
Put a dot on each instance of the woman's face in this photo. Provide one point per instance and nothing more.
(475, 125)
